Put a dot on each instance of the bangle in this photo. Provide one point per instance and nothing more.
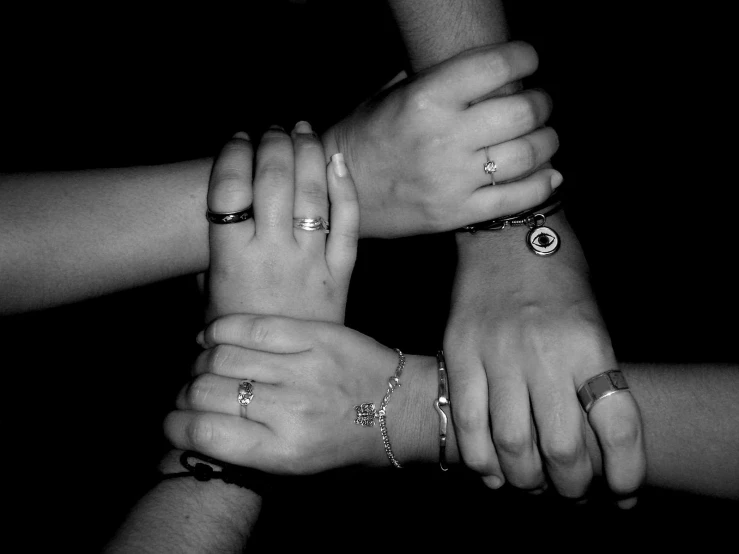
(366, 413)
(440, 403)
(541, 240)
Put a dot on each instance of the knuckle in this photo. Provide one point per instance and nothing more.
(528, 155)
(275, 169)
(523, 111)
(470, 419)
(561, 453)
(314, 193)
(258, 332)
(624, 433)
(199, 390)
(499, 66)
(202, 434)
(512, 443)
(219, 359)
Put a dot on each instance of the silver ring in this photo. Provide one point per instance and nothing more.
(245, 396)
(311, 224)
(602, 385)
(490, 167)
(231, 217)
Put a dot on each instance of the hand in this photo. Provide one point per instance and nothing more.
(265, 265)
(417, 150)
(308, 378)
(523, 335)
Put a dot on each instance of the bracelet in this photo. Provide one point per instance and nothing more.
(440, 403)
(251, 479)
(541, 240)
(366, 413)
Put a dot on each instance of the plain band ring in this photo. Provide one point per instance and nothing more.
(231, 217)
(490, 167)
(245, 396)
(311, 224)
(602, 385)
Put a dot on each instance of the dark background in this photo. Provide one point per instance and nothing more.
(644, 119)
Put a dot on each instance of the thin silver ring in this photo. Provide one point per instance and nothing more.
(231, 217)
(245, 396)
(490, 167)
(311, 224)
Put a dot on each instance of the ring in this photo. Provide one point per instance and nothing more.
(246, 394)
(311, 224)
(602, 385)
(490, 167)
(232, 217)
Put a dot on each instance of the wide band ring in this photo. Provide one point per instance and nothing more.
(232, 217)
(602, 385)
(245, 396)
(490, 167)
(311, 224)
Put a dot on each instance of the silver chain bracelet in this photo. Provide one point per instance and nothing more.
(366, 413)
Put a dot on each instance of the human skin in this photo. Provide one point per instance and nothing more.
(303, 421)
(524, 332)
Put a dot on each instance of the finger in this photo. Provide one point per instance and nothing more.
(341, 247)
(311, 192)
(274, 180)
(489, 202)
(240, 363)
(279, 335)
(230, 190)
(561, 427)
(213, 393)
(515, 158)
(468, 391)
(468, 76)
(500, 119)
(229, 438)
(512, 429)
(617, 424)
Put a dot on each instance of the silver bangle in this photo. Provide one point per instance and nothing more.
(440, 403)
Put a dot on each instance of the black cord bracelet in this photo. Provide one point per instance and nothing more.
(251, 479)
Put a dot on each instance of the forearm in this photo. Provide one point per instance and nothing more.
(690, 413)
(73, 235)
(185, 515)
(435, 30)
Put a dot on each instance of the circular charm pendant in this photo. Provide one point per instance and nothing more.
(543, 241)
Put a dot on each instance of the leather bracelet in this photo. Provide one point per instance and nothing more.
(251, 479)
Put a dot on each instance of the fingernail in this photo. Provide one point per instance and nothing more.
(627, 503)
(200, 339)
(276, 128)
(539, 490)
(339, 165)
(556, 179)
(303, 127)
(493, 481)
(241, 135)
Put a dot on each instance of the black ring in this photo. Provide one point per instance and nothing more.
(233, 217)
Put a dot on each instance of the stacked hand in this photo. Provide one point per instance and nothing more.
(417, 150)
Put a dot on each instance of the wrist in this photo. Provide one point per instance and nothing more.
(414, 428)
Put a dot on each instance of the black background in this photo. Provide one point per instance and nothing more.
(645, 123)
